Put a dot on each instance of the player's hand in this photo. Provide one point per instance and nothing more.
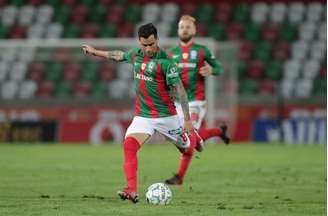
(87, 49)
(206, 70)
(188, 126)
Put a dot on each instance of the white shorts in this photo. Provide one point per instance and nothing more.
(197, 109)
(170, 127)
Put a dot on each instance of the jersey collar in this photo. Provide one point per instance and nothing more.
(187, 45)
(158, 52)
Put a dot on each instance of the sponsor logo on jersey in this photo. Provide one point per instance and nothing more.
(175, 56)
(185, 55)
(193, 54)
(187, 65)
(143, 77)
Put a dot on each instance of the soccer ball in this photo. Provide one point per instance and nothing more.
(158, 194)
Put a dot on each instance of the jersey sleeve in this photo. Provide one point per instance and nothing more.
(213, 62)
(129, 55)
(171, 72)
(168, 52)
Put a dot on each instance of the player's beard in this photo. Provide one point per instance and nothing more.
(186, 39)
(149, 54)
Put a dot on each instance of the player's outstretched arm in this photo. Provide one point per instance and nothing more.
(185, 107)
(116, 55)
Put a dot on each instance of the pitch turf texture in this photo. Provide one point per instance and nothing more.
(245, 179)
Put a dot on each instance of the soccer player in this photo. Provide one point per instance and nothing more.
(195, 62)
(155, 75)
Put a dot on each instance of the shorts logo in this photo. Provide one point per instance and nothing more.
(193, 54)
(184, 137)
(182, 141)
(175, 131)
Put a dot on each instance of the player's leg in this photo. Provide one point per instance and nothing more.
(206, 133)
(137, 134)
(185, 161)
(198, 111)
(171, 128)
(194, 117)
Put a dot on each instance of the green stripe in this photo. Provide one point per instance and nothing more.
(152, 89)
(193, 75)
(191, 91)
(144, 110)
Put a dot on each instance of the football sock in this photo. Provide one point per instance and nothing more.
(131, 147)
(187, 156)
(206, 133)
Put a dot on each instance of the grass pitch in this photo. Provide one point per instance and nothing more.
(237, 180)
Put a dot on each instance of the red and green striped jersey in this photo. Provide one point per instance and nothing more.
(153, 78)
(190, 59)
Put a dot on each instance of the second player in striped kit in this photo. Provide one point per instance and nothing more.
(195, 62)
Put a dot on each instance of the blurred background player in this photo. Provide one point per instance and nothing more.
(195, 62)
(155, 75)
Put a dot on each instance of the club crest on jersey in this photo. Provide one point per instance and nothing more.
(193, 54)
(143, 66)
(151, 66)
(185, 55)
(173, 72)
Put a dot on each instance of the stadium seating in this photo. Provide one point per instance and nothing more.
(82, 89)
(63, 89)
(27, 89)
(280, 44)
(46, 89)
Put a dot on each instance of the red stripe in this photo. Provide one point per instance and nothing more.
(133, 58)
(137, 112)
(184, 75)
(171, 54)
(200, 79)
(142, 86)
(163, 91)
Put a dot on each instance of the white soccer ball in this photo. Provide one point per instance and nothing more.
(158, 194)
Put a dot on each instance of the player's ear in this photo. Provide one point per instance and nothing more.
(194, 30)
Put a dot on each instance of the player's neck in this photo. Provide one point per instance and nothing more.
(187, 44)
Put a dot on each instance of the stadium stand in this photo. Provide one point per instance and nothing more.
(292, 56)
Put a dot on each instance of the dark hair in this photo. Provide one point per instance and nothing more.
(147, 30)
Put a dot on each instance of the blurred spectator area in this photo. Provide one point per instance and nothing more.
(282, 44)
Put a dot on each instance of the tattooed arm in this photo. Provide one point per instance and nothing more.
(185, 106)
(116, 55)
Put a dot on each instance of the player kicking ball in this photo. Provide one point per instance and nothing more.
(155, 78)
(195, 62)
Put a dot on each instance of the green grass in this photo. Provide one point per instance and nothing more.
(234, 180)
